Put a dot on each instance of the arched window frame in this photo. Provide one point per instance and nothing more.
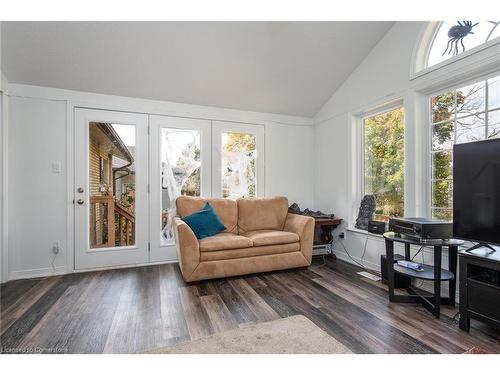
(478, 63)
(424, 44)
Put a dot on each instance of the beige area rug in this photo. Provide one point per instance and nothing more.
(292, 335)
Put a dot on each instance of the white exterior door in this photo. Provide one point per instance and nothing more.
(180, 164)
(111, 188)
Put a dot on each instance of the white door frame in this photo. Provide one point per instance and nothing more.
(166, 252)
(113, 256)
(219, 127)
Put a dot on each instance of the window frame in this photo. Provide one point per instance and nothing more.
(430, 126)
(423, 47)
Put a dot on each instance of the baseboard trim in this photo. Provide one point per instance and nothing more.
(62, 270)
(37, 272)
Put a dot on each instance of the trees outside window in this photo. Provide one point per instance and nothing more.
(468, 114)
(384, 162)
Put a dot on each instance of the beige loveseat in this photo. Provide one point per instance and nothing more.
(260, 236)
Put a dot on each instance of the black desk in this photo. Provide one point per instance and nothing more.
(435, 273)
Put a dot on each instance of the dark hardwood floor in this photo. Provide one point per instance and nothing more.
(134, 309)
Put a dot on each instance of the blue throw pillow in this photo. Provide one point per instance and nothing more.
(204, 223)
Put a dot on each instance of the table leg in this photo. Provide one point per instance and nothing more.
(452, 266)
(464, 318)
(389, 250)
(437, 282)
(407, 251)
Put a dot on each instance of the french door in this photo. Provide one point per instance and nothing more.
(130, 168)
(111, 188)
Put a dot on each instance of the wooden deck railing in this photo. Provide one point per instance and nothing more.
(111, 224)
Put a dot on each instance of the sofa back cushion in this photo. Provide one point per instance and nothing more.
(226, 209)
(262, 213)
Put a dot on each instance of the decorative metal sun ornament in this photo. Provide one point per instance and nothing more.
(457, 33)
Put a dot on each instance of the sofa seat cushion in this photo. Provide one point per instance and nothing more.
(224, 241)
(271, 237)
(249, 253)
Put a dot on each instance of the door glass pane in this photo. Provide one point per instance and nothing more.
(111, 185)
(180, 173)
(238, 165)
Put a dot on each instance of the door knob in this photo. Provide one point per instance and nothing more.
(80, 201)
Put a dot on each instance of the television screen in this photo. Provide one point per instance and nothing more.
(476, 191)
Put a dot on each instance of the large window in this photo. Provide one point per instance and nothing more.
(468, 114)
(383, 140)
(455, 37)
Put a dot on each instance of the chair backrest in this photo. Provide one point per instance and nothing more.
(262, 213)
(243, 215)
(226, 209)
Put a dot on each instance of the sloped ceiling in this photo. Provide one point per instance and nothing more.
(278, 67)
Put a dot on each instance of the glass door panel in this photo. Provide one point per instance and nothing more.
(111, 185)
(180, 160)
(180, 172)
(238, 160)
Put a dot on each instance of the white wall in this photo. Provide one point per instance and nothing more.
(37, 197)
(39, 122)
(383, 76)
(289, 163)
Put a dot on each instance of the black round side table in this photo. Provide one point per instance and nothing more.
(434, 273)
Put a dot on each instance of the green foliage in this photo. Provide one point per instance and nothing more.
(384, 162)
(443, 107)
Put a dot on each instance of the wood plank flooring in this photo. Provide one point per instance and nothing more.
(131, 310)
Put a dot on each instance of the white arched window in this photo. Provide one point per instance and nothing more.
(452, 38)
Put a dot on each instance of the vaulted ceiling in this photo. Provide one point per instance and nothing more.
(279, 67)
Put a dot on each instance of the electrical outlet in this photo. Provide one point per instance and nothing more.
(56, 246)
(342, 235)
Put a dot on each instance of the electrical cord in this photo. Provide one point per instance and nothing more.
(52, 262)
(364, 251)
(354, 260)
(423, 261)
(419, 250)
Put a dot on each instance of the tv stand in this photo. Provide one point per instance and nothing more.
(482, 244)
(479, 288)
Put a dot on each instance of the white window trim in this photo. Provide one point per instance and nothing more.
(424, 43)
(429, 125)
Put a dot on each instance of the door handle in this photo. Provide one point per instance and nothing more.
(80, 201)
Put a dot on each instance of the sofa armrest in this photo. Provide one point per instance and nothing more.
(187, 246)
(303, 226)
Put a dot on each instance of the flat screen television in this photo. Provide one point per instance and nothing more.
(476, 191)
